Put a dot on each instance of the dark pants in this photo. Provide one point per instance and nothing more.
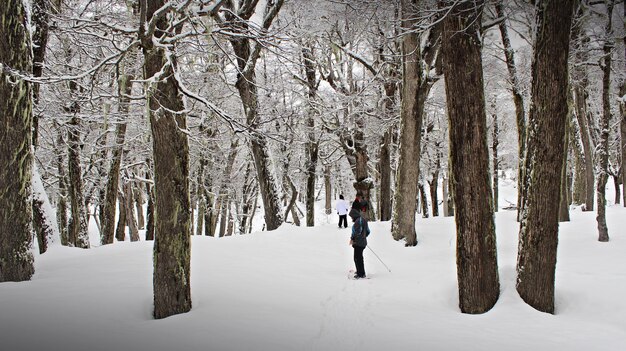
(343, 219)
(358, 260)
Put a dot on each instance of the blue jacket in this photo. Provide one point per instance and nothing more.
(360, 231)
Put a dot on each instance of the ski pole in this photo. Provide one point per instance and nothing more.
(381, 261)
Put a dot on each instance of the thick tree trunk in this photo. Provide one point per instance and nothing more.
(605, 126)
(518, 100)
(407, 177)
(16, 217)
(173, 222)
(539, 227)
(107, 214)
(477, 265)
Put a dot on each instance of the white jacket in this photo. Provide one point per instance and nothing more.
(342, 207)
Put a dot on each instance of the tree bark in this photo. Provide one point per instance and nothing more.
(107, 216)
(477, 266)
(423, 200)
(434, 186)
(16, 216)
(62, 198)
(311, 146)
(538, 237)
(622, 107)
(518, 100)
(173, 222)
(77, 231)
(564, 201)
(407, 177)
(495, 141)
(130, 211)
(120, 231)
(605, 127)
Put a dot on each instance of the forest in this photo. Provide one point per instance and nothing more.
(167, 120)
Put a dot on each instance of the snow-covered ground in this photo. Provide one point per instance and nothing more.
(288, 290)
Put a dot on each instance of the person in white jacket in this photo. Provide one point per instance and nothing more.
(342, 210)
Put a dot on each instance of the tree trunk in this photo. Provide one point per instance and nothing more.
(120, 231)
(173, 222)
(518, 100)
(605, 126)
(423, 200)
(150, 209)
(539, 227)
(328, 190)
(130, 211)
(138, 202)
(495, 141)
(62, 197)
(311, 144)
(477, 265)
(564, 201)
(16, 216)
(77, 231)
(407, 177)
(434, 186)
(107, 214)
(622, 107)
(446, 210)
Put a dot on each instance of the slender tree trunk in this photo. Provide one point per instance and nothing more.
(434, 186)
(120, 231)
(62, 197)
(605, 126)
(328, 190)
(446, 210)
(622, 107)
(130, 211)
(518, 100)
(107, 214)
(138, 202)
(16, 216)
(477, 265)
(77, 231)
(564, 201)
(173, 222)
(423, 200)
(539, 227)
(311, 144)
(150, 209)
(495, 141)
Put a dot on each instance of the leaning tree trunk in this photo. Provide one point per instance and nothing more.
(477, 266)
(173, 222)
(603, 147)
(16, 260)
(538, 237)
(407, 176)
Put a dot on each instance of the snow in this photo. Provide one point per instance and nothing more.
(288, 290)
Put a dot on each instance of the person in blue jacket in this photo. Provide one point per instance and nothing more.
(358, 240)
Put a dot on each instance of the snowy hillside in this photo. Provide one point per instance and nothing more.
(288, 290)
